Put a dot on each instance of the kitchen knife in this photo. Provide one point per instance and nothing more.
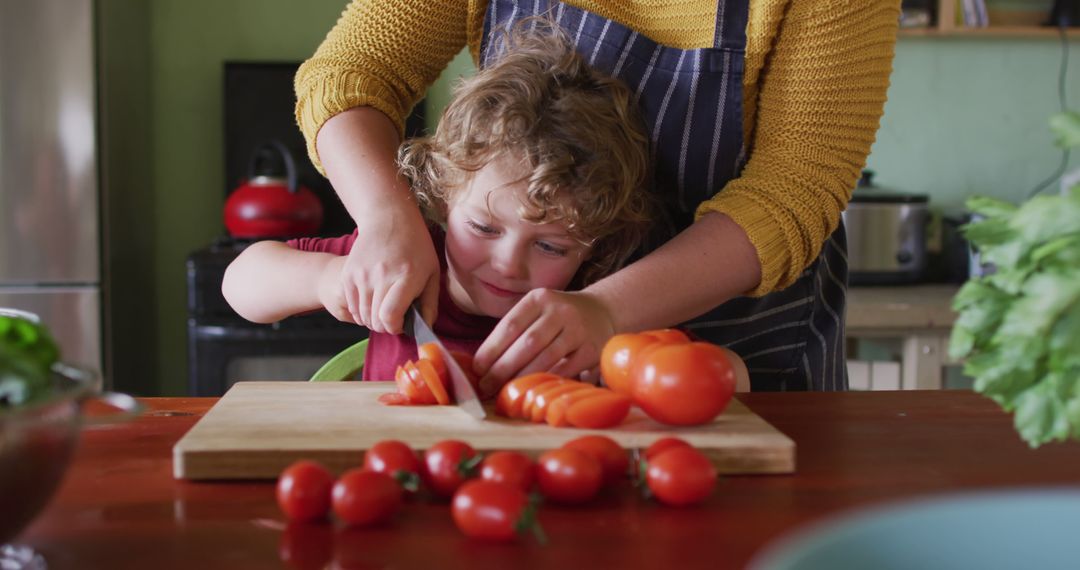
(464, 394)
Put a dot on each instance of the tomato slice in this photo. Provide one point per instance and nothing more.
(531, 393)
(538, 411)
(393, 399)
(556, 410)
(604, 411)
(430, 352)
(420, 393)
(513, 392)
(433, 381)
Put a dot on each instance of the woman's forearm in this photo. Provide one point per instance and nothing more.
(358, 149)
(270, 281)
(707, 264)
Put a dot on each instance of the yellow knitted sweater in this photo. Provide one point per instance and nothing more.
(814, 90)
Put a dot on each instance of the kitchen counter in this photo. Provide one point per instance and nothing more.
(921, 316)
(119, 506)
(888, 310)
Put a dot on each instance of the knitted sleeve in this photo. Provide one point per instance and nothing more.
(820, 96)
(381, 53)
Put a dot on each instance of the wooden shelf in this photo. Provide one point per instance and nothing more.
(946, 27)
(990, 32)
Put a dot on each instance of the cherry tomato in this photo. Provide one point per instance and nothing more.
(668, 336)
(510, 467)
(492, 511)
(614, 461)
(363, 497)
(447, 465)
(664, 444)
(680, 476)
(617, 357)
(391, 456)
(683, 384)
(620, 351)
(303, 491)
(568, 475)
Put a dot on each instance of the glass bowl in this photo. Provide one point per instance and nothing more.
(36, 445)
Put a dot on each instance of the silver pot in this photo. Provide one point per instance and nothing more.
(886, 233)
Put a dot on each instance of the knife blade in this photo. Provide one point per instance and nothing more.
(464, 394)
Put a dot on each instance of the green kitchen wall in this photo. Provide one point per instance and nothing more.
(964, 116)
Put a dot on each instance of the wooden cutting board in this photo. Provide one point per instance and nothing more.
(259, 428)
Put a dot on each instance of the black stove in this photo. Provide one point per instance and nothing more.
(224, 348)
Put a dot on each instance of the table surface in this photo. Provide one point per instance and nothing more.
(119, 506)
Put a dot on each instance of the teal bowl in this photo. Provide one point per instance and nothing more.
(1030, 529)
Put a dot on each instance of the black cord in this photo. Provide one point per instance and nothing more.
(1061, 99)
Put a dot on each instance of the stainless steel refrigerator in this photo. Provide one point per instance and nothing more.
(50, 240)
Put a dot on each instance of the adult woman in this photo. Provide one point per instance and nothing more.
(761, 116)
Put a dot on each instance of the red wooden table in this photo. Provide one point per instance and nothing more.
(119, 506)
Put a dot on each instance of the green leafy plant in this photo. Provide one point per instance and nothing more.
(1019, 327)
(27, 353)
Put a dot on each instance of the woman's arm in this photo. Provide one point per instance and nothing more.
(269, 281)
(352, 98)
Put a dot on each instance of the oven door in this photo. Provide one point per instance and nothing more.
(223, 351)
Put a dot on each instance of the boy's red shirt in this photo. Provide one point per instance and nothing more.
(457, 329)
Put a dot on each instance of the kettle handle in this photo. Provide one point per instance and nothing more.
(286, 157)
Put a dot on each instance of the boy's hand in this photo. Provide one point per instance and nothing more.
(547, 330)
(331, 293)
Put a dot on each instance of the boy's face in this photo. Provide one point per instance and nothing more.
(493, 255)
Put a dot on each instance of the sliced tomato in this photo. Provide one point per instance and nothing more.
(394, 399)
(531, 393)
(433, 381)
(604, 411)
(430, 352)
(513, 392)
(538, 411)
(417, 392)
(556, 410)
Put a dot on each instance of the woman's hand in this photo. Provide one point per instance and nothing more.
(392, 263)
(548, 330)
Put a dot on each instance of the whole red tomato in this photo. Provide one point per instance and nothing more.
(683, 384)
(303, 491)
(568, 475)
(492, 511)
(614, 462)
(363, 497)
(664, 444)
(680, 476)
(390, 456)
(510, 467)
(447, 465)
(620, 351)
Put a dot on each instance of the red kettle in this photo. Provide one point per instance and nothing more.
(268, 206)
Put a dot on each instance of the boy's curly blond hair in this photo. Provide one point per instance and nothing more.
(577, 130)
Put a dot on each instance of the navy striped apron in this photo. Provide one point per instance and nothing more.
(692, 103)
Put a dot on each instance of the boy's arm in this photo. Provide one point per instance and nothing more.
(269, 281)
